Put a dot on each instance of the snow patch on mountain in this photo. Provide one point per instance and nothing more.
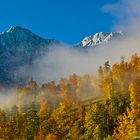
(100, 38)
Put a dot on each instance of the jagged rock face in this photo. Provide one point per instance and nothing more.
(100, 39)
(19, 46)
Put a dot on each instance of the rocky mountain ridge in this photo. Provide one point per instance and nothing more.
(20, 47)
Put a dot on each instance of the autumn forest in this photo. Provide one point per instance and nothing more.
(105, 106)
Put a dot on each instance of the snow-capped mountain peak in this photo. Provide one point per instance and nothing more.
(17, 34)
(100, 38)
(15, 29)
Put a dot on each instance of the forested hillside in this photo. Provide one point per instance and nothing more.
(105, 106)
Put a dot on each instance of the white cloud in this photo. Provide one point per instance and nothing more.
(127, 13)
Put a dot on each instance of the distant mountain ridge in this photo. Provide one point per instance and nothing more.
(20, 47)
(100, 38)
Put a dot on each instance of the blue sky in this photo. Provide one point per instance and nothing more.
(65, 20)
